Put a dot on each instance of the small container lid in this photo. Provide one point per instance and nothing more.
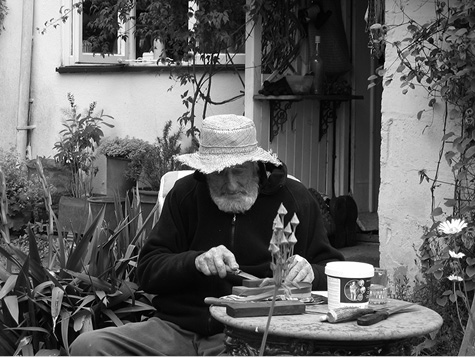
(349, 269)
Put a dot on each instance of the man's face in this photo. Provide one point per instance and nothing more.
(235, 189)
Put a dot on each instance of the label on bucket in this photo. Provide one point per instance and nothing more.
(348, 292)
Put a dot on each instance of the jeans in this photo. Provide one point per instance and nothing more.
(153, 337)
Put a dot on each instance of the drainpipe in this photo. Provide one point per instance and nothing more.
(24, 101)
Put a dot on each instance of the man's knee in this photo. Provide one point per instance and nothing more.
(89, 343)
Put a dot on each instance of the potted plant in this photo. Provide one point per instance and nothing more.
(76, 151)
(149, 164)
(116, 154)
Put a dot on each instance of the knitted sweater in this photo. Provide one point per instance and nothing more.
(191, 223)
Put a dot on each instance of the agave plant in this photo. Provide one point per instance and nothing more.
(86, 281)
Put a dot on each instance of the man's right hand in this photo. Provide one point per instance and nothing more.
(216, 261)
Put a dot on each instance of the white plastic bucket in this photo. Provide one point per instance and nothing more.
(348, 284)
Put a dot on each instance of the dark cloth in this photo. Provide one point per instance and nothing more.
(190, 224)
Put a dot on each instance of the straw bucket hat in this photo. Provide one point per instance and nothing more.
(226, 140)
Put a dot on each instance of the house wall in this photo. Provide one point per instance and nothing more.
(407, 146)
(140, 102)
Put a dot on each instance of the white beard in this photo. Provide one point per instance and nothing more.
(236, 203)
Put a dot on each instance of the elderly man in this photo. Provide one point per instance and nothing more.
(214, 222)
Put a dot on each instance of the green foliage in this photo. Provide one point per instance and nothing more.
(75, 149)
(24, 198)
(121, 147)
(149, 165)
(281, 40)
(3, 13)
(86, 282)
(219, 29)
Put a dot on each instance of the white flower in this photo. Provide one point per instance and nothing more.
(456, 255)
(452, 227)
(454, 278)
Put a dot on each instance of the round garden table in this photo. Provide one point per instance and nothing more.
(306, 334)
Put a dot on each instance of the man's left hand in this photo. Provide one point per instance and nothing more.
(300, 271)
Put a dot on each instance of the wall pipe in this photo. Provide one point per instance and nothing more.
(24, 87)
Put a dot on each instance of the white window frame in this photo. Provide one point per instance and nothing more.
(72, 45)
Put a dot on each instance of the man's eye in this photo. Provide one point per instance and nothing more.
(237, 171)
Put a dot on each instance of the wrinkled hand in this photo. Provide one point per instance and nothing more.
(300, 271)
(216, 261)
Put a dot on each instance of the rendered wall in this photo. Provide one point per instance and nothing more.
(9, 73)
(141, 102)
(408, 145)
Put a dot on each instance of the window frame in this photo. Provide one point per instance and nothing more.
(73, 54)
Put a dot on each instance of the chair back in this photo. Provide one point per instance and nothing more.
(166, 184)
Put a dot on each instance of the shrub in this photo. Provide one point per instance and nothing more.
(148, 166)
(23, 193)
(122, 147)
(86, 282)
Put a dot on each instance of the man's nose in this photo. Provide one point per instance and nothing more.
(232, 183)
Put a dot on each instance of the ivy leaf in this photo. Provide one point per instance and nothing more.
(453, 297)
(419, 115)
(447, 136)
(470, 152)
(470, 270)
(442, 301)
(450, 202)
(470, 261)
(371, 85)
(401, 68)
(438, 274)
(437, 212)
(432, 102)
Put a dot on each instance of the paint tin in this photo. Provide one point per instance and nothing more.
(348, 284)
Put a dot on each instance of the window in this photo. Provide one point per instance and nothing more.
(85, 42)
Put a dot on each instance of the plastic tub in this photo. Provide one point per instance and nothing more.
(348, 284)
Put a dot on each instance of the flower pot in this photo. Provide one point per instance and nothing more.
(110, 178)
(72, 214)
(148, 200)
(110, 216)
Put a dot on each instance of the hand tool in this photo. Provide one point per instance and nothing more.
(380, 315)
(244, 275)
(342, 314)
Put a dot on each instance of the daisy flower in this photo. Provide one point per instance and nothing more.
(452, 227)
(456, 255)
(454, 278)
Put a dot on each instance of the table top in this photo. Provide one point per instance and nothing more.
(415, 321)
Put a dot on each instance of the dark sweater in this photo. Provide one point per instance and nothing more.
(190, 224)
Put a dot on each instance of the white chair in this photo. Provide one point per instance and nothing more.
(166, 184)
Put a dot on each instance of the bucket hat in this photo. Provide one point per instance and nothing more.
(226, 140)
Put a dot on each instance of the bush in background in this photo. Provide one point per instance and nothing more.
(24, 192)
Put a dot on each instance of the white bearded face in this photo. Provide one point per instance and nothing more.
(235, 189)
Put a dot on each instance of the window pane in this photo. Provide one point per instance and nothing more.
(99, 32)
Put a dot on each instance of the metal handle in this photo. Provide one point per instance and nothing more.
(371, 319)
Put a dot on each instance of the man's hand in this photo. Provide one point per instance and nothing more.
(300, 271)
(216, 261)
